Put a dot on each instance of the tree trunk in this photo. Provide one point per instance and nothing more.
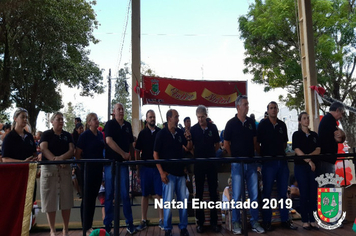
(33, 114)
(5, 82)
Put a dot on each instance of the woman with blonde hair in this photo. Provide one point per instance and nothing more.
(19, 145)
(56, 180)
(90, 145)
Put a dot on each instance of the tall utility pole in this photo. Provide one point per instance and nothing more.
(308, 61)
(136, 64)
(109, 95)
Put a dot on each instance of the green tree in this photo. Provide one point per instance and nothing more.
(122, 89)
(146, 70)
(81, 111)
(4, 117)
(69, 116)
(122, 94)
(43, 45)
(271, 41)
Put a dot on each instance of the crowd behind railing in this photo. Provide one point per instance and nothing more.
(162, 154)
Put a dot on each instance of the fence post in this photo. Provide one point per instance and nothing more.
(84, 207)
(117, 198)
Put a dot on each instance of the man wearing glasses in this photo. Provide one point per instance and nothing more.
(240, 140)
(272, 136)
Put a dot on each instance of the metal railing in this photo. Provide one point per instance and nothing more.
(218, 160)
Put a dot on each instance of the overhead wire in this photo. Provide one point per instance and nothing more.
(124, 34)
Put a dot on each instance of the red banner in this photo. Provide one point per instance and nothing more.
(166, 91)
(16, 198)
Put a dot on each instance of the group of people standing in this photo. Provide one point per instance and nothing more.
(241, 139)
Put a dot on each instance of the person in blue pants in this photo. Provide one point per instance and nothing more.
(119, 139)
(306, 142)
(168, 145)
(272, 136)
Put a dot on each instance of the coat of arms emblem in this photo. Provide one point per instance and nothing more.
(329, 215)
(154, 87)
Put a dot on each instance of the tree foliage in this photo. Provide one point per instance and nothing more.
(69, 117)
(271, 41)
(4, 117)
(71, 112)
(122, 89)
(122, 94)
(42, 45)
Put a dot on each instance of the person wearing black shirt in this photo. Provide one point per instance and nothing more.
(329, 136)
(151, 183)
(187, 126)
(90, 145)
(240, 141)
(273, 137)
(75, 133)
(79, 129)
(119, 139)
(56, 145)
(19, 145)
(205, 138)
(306, 142)
(168, 145)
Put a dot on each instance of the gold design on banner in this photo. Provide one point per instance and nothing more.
(32, 170)
(179, 94)
(217, 98)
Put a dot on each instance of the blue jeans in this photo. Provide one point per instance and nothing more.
(250, 176)
(308, 188)
(176, 184)
(275, 170)
(109, 195)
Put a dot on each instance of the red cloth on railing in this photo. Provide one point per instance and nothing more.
(17, 185)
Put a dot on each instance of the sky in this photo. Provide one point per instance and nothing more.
(182, 39)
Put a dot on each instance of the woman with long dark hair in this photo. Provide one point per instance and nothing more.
(306, 142)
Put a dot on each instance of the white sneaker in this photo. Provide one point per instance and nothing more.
(257, 228)
(236, 228)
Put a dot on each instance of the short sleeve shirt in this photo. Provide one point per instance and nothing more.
(91, 144)
(17, 148)
(169, 146)
(273, 138)
(326, 130)
(204, 140)
(306, 143)
(241, 135)
(75, 136)
(57, 144)
(122, 136)
(145, 143)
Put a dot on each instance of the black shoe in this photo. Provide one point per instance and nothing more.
(288, 225)
(200, 229)
(316, 227)
(307, 227)
(184, 232)
(268, 226)
(168, 233)
(108, 228)
(131, 229)
(142, 226)
(216, 228)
